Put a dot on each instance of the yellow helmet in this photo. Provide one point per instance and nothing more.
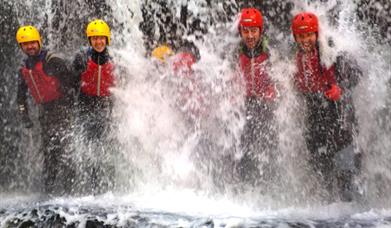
(98, 28)
(28, 33)
(162, 52)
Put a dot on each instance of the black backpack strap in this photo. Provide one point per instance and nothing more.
(50, 55)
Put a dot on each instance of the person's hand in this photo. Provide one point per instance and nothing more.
(270, 93)
(334, 93)
(26, 121)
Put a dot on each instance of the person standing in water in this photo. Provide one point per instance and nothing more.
(94, 68)
(45, 76)
(258, 140)
(330, 122)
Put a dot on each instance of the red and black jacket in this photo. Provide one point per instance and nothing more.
(46, 77)
(253, 65)
(313, 77)
(326, 119)
(95, 71)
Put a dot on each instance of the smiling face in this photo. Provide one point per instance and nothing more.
(31, 48)
(250, 36)
(98, 43)
(307, 41)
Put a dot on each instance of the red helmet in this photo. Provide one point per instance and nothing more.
(305, 22)
(183, 61)
(251, 17)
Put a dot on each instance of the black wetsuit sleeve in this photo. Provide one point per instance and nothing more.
(349, 72)
(79, 64)
(22, 95)
(58, 67)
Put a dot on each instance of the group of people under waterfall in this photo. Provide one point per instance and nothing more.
(330, 126)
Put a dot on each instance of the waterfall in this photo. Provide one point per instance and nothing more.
(166, 160)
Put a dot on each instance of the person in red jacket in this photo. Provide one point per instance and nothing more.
(94, 68)
(260, 93)
(189, 90)
(46, 78)
(330, 119)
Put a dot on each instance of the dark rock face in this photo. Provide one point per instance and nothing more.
(8, 135)
(162, 23)
(377, 14)
(159, 22)
(65, 22)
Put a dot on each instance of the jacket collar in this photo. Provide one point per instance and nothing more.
(99, 58)
(31, 61)
(254, 52)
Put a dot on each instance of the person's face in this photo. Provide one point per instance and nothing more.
(250, 36)
(98, 43)
(307, 41)
(30, 48)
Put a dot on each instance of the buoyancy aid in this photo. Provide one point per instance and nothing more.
(44, 88)
(97, 79)
(312, 76)
(256, 78)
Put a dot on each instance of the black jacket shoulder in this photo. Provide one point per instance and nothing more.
(54, 64)
(79, 63)
(348, 71)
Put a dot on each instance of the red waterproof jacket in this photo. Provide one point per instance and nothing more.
(189, 90)
(311, 76)
(97, 79)
(256, 78)
(44, 88)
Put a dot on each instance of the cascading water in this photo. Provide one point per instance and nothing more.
(176, 169)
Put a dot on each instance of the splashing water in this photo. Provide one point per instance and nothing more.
(175, 168)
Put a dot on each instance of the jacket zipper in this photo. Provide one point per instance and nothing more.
(253, 90)
(99, 79)
(35, 85)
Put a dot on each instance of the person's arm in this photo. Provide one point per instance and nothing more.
(22, 95)
(21, 100)
(58, 67)
(79, 64)
(348, 72)
(347, 76)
